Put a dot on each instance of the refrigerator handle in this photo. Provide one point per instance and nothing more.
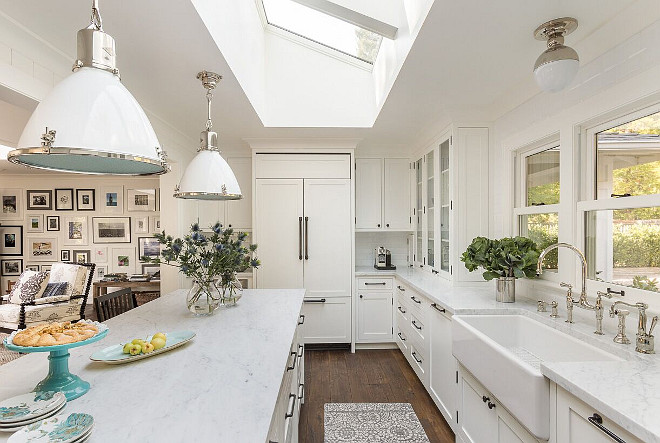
(300, 229)
(306, 238)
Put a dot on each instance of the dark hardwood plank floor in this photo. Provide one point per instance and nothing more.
(368, 376)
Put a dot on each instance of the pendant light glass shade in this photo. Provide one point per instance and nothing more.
(558, 65)
(208, 176)
(90, 123)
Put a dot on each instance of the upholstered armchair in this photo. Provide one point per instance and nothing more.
(71, 282)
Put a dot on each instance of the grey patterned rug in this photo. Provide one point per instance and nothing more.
(372, 423)
(5, 355)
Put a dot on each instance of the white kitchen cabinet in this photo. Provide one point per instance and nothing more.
(238, 213)
(579, 422)
(374, 310)
(209, 212)
(327, 320)
(382, 194)
(443, 366)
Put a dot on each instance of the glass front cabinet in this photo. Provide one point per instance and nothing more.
(433, 208)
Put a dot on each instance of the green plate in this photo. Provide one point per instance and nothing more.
(114, 355)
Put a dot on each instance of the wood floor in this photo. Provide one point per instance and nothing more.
(368, 376)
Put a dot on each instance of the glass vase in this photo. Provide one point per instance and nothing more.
(203, 298)
(231, 290)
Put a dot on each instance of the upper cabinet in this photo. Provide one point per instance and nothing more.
(382, 194)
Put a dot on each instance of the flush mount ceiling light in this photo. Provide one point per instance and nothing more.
(208, 176)
(556, 68)
(89, 123)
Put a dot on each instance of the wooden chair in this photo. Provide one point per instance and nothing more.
(114, 303)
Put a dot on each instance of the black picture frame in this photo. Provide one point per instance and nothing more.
(64, 199)
(90, 204)
(85, 252)
(65, 255)
(56, 219)
(103, 228)
(35, 202)
(16, 246)
(12, 273)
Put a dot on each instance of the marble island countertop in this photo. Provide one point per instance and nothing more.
(628, 391)
(220, 387)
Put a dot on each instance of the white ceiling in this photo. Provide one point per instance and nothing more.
(466, 56)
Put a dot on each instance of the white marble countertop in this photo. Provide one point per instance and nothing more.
(627, 392)
(220, 387)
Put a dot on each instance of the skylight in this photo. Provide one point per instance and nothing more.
(323, 29)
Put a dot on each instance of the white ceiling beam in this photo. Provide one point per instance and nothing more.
(351, 16)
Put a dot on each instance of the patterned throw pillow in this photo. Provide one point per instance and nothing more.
(30, 286)
(74, 275)
(53, 289)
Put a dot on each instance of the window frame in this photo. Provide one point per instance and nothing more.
(587, 196)
(520, 192)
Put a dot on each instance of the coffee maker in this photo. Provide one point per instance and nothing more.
(383, 259)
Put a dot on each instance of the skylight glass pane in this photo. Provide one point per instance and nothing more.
(323, 29)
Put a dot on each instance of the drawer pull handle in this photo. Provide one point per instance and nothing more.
(435, 306)
(292, 403)
(301, 391)
(491, 405)
(318, 300)
(293, 365)
(597, 421)
(301, 350)
(412, 297)
(402, 337)
(415, 325)
(400, 288)
(401, 310)
(415, 357)
(301, 319)
(382, 283)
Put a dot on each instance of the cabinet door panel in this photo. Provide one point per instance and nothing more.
(279, 206)
(328, 322)
(375, 316)
(442, 374)
(209, 212)
(397, 194)
(327, 255)
(478, 424)
(368, 193)
(239, 212)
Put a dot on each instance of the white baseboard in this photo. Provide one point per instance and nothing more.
(359, 346)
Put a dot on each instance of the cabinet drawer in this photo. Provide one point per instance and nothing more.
(402, 313)
(375, 283)
(326, 320)
(419, 362)
(401, 337)
(418, 328)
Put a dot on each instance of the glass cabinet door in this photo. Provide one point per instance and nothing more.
(445, 206)
(430, 209)
(419, 212)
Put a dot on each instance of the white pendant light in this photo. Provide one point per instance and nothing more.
(208, 176)
(558, 65)
(90, 123)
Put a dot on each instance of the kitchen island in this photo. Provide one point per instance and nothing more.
(222, 386)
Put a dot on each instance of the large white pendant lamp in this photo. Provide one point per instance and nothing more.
(208, 176)
(558, 65)
(89, 123)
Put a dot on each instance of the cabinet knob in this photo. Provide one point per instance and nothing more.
(491, 405)
(230, 225)
(379, 225)
(387, 225)
(360, 295)
(485, 399)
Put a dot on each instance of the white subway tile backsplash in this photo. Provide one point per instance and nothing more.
(366, 242)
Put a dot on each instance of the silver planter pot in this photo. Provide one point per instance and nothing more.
(506, 290)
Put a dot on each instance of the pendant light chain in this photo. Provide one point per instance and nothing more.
(209, 97)
(96, 21)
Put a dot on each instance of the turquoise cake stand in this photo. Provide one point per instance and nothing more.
(59, 378)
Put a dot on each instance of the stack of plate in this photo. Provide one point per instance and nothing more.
(63, 428)
(24, 409)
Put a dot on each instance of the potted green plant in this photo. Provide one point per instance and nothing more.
(505, 259)
(212, 261)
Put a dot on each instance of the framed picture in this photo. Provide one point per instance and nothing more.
(155, 223)
(101, 271)
(35, 223)
(148, 247)
(12, 204)
(65, 255)
(150, 269)
(46, 267)
(11, 267)
(141, 225)
(32, 267)
(64, 199)
(141, 200)
(42, 249)
(123, 260)
(52, 223)
(112, 199)
(81, 256)
(111, 229)
(100, 254)
(85, 200)
(39, 200)
(11, 240)
(75, 231)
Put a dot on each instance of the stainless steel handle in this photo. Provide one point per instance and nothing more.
(597, 421)
(401, 310)
(301, 391)
(415, 357)
(435, 306)
(401, 337)
(415, 325)
(318, 300)
(382, 283)
(300, 239)
(306, 238)
(293, 365)
(412, 297)
(301, 319)
(292, 404)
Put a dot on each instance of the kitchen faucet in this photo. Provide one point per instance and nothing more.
(645, 340)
